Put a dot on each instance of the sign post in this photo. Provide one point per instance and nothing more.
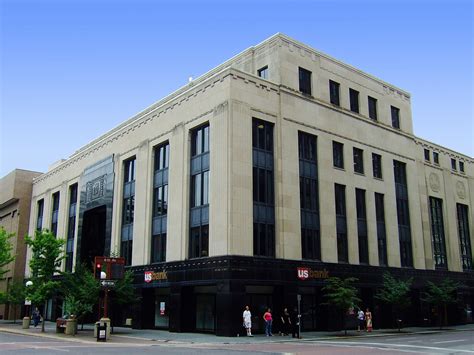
(108, 270)
(298, 297)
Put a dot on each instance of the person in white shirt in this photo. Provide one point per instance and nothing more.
(247, 318)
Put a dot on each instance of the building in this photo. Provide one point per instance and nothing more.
(257, 181)
(15, 201)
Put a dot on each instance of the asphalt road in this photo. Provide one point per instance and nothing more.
(459, 342)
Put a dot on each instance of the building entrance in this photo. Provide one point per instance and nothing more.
(93, 234)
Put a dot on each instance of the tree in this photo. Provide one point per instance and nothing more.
(47, 254)
(341, 295)
(395, 293)
(81, 291)
(123, 293)
(440, 296)
(6, 248)
(15, 296)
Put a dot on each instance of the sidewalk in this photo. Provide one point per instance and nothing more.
(123, 335)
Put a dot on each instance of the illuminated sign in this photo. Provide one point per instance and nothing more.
(152, 276)
(304, 273)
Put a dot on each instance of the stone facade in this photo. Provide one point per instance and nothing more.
(15, 200)
(228, 98)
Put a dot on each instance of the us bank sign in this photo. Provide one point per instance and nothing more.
(305, 273)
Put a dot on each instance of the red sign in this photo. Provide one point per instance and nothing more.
(307, 273)
(303, 273)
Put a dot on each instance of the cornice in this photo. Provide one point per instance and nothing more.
(310, 52)
(440, 149)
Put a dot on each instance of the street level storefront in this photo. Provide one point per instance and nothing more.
(209, 295)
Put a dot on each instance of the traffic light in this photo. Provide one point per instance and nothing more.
(97, 270)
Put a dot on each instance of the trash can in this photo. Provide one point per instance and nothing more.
(101, 330)
(71, 327)
(26, 322)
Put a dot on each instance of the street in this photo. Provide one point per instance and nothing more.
(449, 342)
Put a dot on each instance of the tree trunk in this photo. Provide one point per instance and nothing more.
(44, 316)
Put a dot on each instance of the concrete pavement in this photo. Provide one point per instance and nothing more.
(122, 335)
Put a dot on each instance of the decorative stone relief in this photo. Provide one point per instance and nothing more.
(95, 188)
(434, 182)
(461, 190)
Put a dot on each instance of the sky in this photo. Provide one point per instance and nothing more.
(72, 70)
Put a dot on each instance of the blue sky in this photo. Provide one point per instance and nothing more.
(72, 70)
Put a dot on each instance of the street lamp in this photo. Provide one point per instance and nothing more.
(26, 319)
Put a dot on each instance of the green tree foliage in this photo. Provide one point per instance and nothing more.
(395, 293)
(440, 296)
(341, 294)
(6, 248)
(46, 257)
(123, 293)
(15, 296)
(81, 292)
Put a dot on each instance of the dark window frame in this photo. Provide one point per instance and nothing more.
(403, 214)
(55, 213)
(309, 196)
(438, 238)
(71, 227)
(263, 72)
(453, 164)
(305, 79)
(354, 100)
(377, 166)
(341, 223)
(436, 158)
(464, 236)
(338, 155)
(381, 229)
(362, 232)
(395, 114)
(334, 96)
(128, 209)
(358, 160)
(372, 104)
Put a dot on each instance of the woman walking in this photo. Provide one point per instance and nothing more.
(368, 320)
(267, 317)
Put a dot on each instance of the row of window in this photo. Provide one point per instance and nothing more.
(305, 80)
(358, 160)
(264, 204)
(454, 162)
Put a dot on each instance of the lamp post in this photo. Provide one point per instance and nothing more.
(103, 276)
(26, 319)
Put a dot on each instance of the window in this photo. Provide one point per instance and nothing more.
(263, 189)
(39, 216)
(377, 165)
(395, 116)
(263, 72)
(437, 233)
(464, 236)
(453, 164)
(334, 92)
(341, 223)
(461, 167)
(199, 213)
(436, 158)
(338, 154)
(54, 214)
(372, 108)
(128, 210)
(381, 232)
(354, 100)
(160, 203)
(403, 214)
(358, 160)
(427, 155)
(362, 227)
(309, 197)
(305, 81)
(71, 226)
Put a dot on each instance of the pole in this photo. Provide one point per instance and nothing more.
(299, 316)
(106, 301)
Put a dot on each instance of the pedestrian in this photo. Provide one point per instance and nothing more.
(285, 322)
(295, 323)
(361, 320)
(267, 317)
(247, 318)
(368, 320)
(36, 315)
